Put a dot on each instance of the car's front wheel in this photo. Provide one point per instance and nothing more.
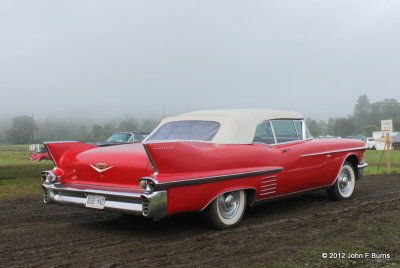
(343, 187)
(226, 210)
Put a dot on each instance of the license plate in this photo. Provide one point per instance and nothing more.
(95, 201)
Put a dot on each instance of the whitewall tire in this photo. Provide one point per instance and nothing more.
(344, 185)
(226, 210)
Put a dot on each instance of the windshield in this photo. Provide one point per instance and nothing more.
(187, 130)
(139, 137)
(41, 150)
(119, 137)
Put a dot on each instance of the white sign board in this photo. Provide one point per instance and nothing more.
(387, 126)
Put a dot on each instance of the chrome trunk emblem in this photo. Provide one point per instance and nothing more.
(101, 167)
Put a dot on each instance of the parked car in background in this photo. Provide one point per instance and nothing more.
(370, 143)
(216, 162)
(127, 137)
(122, 138)
(40, 155)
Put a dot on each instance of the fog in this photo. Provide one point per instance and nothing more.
(93, 60)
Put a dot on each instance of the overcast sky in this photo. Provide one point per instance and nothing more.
(105, 58)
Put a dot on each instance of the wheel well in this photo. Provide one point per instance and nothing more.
(354, 162)
(250, 196)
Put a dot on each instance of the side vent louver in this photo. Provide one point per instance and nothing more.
(268, 185)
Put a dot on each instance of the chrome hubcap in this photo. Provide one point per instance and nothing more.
(345, 183)
(228, 204)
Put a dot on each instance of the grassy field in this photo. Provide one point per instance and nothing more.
(18, 177)
(374, 157)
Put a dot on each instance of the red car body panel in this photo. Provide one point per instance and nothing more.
(129, 163)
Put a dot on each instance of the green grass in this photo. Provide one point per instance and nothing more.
(18, 176)
(14, 155)
(373, 158)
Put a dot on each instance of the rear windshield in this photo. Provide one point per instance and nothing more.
(186, 130)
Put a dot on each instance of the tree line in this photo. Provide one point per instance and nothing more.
(365, 118)
(26, 130)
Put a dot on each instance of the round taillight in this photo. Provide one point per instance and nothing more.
(43, 176)
(143, 183)
(147, 184)
(48, 176)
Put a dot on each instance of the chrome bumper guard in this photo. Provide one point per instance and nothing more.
(361, 167)
(125, 200)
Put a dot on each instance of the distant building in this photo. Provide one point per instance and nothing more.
(380, 139)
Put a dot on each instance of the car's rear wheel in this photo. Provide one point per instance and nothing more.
(343, 187)
(226, 210)
(43, 159)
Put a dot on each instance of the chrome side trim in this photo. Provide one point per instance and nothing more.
(268, 193)
(269, 177)
(151, 159)
(362, 165)
(332, 152)
(189, 182)
(268, 185)
(268, 189)
(269, 181)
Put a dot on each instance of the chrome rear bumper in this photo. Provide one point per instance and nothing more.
(125, 200)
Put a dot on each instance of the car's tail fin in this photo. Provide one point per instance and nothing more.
(66, 149)
(178, 157)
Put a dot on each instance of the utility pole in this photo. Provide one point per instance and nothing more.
(33, 128)
(389, 146)
(387, 129)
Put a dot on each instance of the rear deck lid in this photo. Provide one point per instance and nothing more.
(118, 166)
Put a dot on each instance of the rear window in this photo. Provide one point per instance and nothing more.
(186, 130)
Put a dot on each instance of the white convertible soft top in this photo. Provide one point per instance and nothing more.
(236, 126)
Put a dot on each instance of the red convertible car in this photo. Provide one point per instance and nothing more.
(215, 162)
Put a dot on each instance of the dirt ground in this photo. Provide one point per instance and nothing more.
(292, 232)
